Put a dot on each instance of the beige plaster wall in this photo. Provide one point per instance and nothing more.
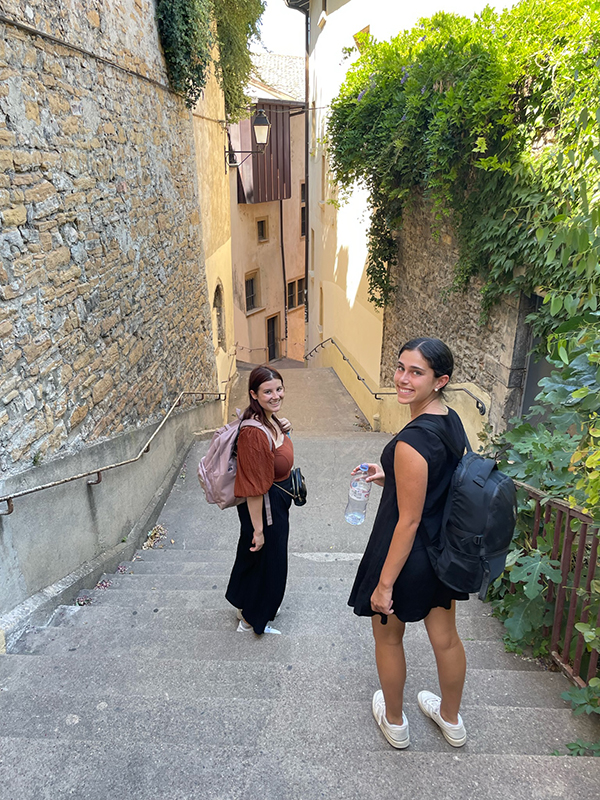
(248, 255)
(214, 202)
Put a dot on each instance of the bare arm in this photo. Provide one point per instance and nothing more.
(255, 505)
(411, 486)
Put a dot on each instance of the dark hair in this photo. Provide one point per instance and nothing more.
(437, 354)
(258, 376)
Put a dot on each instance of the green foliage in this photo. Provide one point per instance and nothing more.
(237, 24)
(582, 748)
(494, 120)
(193, 31)
(519, 597)
(561, 455)
(185, 35)
(584, 700)
(591, 635)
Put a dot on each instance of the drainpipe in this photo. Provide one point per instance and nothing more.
(285, 299)
(306, 153)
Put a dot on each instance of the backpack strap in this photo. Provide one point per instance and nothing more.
(428, 425)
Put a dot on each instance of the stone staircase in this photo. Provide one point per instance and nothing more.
(146, 691)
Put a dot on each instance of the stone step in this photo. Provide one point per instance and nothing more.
(213, 723)
(125, 769)
(227, 644)
(213, 598)
(219, 580)
(298, 566)
(325, 618)
(129, 675)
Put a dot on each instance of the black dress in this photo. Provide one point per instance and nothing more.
(417, 589)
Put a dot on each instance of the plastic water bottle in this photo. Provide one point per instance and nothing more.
(358, 497)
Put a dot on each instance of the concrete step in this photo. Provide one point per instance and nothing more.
(100, 769)
(215, 599)
(298, 566)
(328, 617)
(129, 675)
(214, 723)
(218, 580)
(227, 644)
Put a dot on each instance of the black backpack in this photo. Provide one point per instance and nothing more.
(478, 523)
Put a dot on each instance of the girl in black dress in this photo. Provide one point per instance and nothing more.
(395, 583)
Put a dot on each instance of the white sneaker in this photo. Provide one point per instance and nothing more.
(397, 735)
(429, 704)
(269, 629)
(243, 627)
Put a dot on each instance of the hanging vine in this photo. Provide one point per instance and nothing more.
(486, 117)
(194, 33)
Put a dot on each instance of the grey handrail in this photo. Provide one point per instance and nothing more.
(379, 395)
(8, 498)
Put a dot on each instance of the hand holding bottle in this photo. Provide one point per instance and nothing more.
(374, 473)
(358, 496)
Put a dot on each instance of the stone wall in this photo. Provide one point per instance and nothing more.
(492, 356)
(103, 304)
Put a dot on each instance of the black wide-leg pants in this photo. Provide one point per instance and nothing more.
(257, 582)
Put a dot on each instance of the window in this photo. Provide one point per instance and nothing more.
(252, 300)
(273, 337)
(295, 293)
(291, 294)
(302, 210)
(262, 230)
(220, 321)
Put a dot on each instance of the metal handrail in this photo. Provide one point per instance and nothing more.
(379, 395)
(253, 349)
(578, 554)
(8, 498)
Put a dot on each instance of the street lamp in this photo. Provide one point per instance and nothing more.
(261, 127)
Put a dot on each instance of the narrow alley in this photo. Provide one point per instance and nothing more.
(147, 691)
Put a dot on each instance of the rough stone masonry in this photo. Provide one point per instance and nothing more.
(103, 305)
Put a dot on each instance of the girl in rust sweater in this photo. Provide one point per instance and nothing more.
(264, 461)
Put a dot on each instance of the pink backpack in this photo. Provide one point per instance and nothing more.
(217, 469)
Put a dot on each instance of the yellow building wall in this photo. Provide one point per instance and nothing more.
(337, 285)
(213, 190)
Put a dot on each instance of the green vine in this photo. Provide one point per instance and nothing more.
(193, 32)
(492, 119)
(237, 25)
(184, 27)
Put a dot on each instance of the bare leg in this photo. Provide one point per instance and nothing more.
(450, 659)
(391, 664)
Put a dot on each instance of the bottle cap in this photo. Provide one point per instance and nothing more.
(364, 467)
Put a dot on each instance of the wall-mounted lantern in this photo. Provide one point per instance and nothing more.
(261, 127)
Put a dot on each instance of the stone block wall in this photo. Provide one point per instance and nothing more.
(493, 355)
(104, 315)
